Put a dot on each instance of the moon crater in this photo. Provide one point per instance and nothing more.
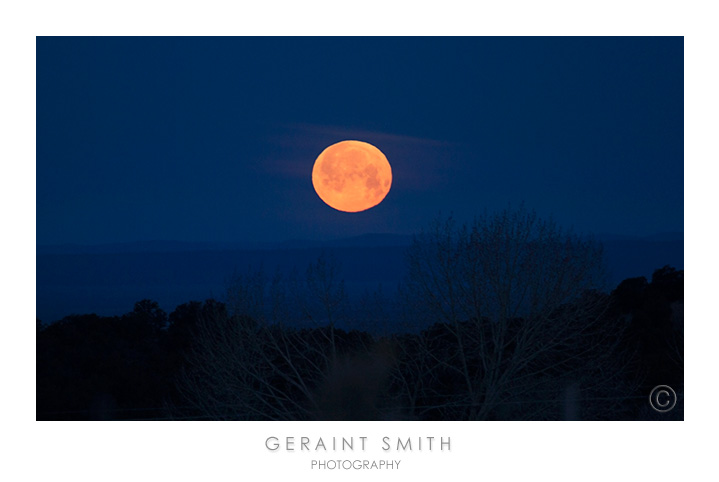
(352, 176)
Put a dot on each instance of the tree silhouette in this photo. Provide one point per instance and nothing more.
(520, 316)
(654, 316)
(251, 362)
(504, 318)
(94, 367)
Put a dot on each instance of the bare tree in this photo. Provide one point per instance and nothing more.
(253, 362)
(322, 298)
(519, 315)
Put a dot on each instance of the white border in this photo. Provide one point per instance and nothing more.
(235, 451)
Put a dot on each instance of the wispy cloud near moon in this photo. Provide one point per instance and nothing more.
(417, 163)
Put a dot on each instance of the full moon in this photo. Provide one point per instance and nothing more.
(352, 176)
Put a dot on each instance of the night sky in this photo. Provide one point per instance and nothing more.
(213, 139)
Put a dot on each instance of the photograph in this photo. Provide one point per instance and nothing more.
(379, 228)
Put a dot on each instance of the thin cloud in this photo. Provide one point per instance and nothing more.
(345, 133)
(418, 163)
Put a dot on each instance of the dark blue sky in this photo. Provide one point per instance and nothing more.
(213, 139)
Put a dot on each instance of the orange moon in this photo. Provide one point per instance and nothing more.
(352, 176)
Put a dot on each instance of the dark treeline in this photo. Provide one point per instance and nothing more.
(504, 319)
(135, 366)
